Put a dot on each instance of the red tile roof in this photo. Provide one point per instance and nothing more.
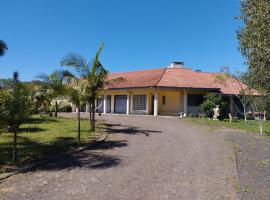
(176, 78)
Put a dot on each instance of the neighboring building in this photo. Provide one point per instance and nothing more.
(173, 90)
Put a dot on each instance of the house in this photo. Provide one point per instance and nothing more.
(174, 90)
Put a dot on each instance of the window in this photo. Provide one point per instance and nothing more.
(163, 100)
(195, 99)
(139, 102)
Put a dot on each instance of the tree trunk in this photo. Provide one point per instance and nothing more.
(79, 124)
(90, 115)
(56, 108)
(14, 146)
(93, 117)
(261, 125)
(245, 114)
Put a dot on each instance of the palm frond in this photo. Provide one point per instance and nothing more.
(99, 51)
(115, 81)
(76, 61)
(43, 77)
(96, 65)
(67, 77)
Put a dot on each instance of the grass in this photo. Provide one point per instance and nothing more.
(42, 136)
(251, 126)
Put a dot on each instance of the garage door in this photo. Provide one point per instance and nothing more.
(120, 104)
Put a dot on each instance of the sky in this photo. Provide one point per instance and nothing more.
(137, 34)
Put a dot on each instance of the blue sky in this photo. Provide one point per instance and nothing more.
(137, 34)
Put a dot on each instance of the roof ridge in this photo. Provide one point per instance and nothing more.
(164, 70)
(138, 70)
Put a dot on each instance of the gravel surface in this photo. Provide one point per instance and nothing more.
(253, 160)
(144, 158)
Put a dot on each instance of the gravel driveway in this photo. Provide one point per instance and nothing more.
(143, 158)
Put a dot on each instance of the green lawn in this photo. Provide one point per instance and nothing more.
(251, 126)
(41, 136)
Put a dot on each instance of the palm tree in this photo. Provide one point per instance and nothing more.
(94, 78)
(3, 48)
(55, 85)
(40, 99)
(75, 88)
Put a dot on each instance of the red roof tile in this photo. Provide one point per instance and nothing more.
(137, 79)
(176, 78)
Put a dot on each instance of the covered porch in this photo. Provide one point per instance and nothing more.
(168, 102)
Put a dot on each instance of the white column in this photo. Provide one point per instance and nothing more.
(128, 104)
(112, 103)
(185, 103)
(104, 104)
(73, 107)
(87, 110)
(156, 104)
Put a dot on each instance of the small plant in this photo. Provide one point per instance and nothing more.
(211, 100)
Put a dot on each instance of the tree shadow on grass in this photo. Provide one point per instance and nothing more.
(124, 129)
(31, 129)
(39, 120)
(57, 155)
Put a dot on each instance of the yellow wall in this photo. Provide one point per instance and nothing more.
(174, 99)
(173, 104)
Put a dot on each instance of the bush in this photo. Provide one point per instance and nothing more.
(211, 100)
(66, 108)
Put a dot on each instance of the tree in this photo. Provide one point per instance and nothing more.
(14, 108)
(254, 40)
(75, 92)
(40, 100)
(246, 93)
(3, 48)
(94, 78)
(54, 84)
(259, 105)
(211, 100)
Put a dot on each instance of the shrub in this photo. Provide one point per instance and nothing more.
(66, 108)
(211, 100)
